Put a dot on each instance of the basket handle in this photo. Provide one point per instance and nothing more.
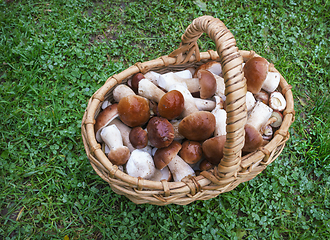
(231, 62)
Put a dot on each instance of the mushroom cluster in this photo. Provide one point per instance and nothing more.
(173, 125)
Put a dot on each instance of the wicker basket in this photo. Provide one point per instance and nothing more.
(233, 168)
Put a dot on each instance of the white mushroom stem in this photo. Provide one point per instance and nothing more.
(122, 91)
(184, 74)
(189, 103)
(111, 136)
(271, 82)
(220, 87)
(180, 169)
(105, 104)
(167, 80)
(149, 90)
(220, 118)
(163, 174)
(152, 76)
(204, 104)
(124, 131)
(250, 101)
(259, 115)
(140, 164)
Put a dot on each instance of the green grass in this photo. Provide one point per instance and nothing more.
(54, 55)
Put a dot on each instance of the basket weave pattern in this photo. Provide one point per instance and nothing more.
(233, 168)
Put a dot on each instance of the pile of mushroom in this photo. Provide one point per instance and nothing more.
(173, 125)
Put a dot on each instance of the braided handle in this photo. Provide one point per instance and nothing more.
(231, 62)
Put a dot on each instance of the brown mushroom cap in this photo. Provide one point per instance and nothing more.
(119, 156)
(197, 126)
(207, 84)
(191, 151)
(138, 137)
(213, 149)
(160, 132)
(205, 165)
(171, 105)
(163, 156)
(255, 72)
(262, 96)
(135, 81)
(253, 139)
(133, 110)
(104, 118)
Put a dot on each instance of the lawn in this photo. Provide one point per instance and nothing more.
(55, 54)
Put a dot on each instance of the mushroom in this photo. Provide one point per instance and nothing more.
(135, 81)
(138, 137)
(184, 74)
(125, 131)
(133, 110)
(250, 101)
(262, 96)
(276, 119)
(168, 157)
(122, 91)
(207, 84)
(149, 90)
(191, 151)
(213, 147)
(119, 154)
(277, 101)
(163, 174)
(220, 90)
(189, 102)
(205, 165)
(152, 77)
(160, 132)
(171, 104)
(104, 118)
(267, 132)
(166, 81)
(105, 104)
(258, 117)
(140, 164)
(204, 104)
(212, 66)
(257, 75)
(197, 126)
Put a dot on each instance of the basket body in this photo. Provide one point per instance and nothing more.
(231, 171)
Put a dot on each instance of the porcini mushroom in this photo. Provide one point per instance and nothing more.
(140, 164)
(149, 90)
(104, 118)
(138, 137)
(212, 66)
(167, 80)
(168, 157)
(277, 101)
(119, 154)
(135, 81)
(160, 132)
(256, 72)
(171, 104)
(133, 110)
(256, 119)
(207, 84)
(198, 126)
(191, 152)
